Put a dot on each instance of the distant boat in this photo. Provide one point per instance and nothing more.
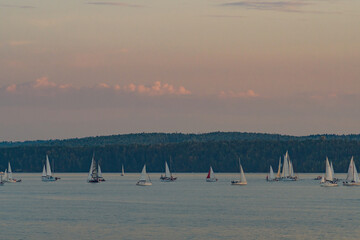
(1, 179)
(101, 179)
(211, 176)
(271, 176)
(287, 170)
(47, 174)
(144, 178)
(9, 178)
(168, 176)
(328, 181)
(352, 178)
(93, 176)
(122, 170)
(242, 180)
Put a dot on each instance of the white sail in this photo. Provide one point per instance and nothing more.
(9, 172)
(242, 175)
(122, 170)
(212, 175)
(5, 176)
(167, 171)
(332, 170)
(328, 172)
(91, 168)
(322, 179)
(285, 172)
(352, 175)
(271, 176)
(44, 171)
(99, 171)
(278, 175)
(48, 169)
(143, 174)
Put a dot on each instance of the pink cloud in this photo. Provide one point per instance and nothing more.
(103, 85)
(231, 94)
(157, 89)
(43, 82)
(11, 88)
(18, 43)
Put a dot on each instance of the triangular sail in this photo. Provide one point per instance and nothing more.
(278, 175)
(167, 171)
(122, 170)
(242, 175)
(91, 168)
(350, 174)
(44, 171)
(209, 173)
(9, 171)
(271, 176)
(328, 173)
(212, 175)
(143, 174)
(48, 169)
(332, 170)
(99, 171)
(6, 176)
(285, 172)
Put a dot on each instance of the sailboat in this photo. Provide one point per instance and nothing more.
(101, 179)
(168, 176)
(1, 179)
(122, 170)
(144, 178)
(47, 174)
(242, 180)
(271, 176)
(287, 170)
(9, 178)
(329, 178)
(211, 176)
(278, 175)
(352, 178)
(93, 176)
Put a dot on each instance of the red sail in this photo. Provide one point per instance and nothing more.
(208, 176)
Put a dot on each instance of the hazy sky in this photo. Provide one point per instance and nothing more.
(83, 68)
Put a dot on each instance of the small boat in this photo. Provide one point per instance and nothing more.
(9, 178)
(122, 170)
(93, 176)
(318, 178)
(242, 180)
(47, 174)
(352, 178)
(271, 176)
(2, 182)
(168, 176)
(144, 178)
(101, 179)
(211, 176)
(328, 180)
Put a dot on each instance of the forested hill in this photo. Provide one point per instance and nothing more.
(188, 152)
(163, 138)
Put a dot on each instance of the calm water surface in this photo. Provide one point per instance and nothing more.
(189, 208)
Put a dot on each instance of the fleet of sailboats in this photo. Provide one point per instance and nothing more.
(144, 178)
(46, 173)
(211, 176)
(242, 180)
(328, 180)
(287, 173)
(168, 177)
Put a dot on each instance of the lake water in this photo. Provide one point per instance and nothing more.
(189, 208)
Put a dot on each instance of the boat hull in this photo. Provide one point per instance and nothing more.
(329, 184)
(351, 184)
(238, 183)
(168, 179)
(48, 179)
(211, 180)
(143, 183)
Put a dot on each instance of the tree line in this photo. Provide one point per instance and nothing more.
(307, 155)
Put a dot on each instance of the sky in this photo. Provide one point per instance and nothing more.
(87, 68)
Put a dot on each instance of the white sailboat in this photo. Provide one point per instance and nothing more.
(168, 176)
(211, 176)
(144, 178)
(101, 179)
(271, 176)
(288, 170)
(47, 174)
(9, 177)
(242, 177)
(329, 178)
(93, 176)
(352, 178)
(122, 170)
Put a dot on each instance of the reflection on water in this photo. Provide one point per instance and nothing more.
(189, 208)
